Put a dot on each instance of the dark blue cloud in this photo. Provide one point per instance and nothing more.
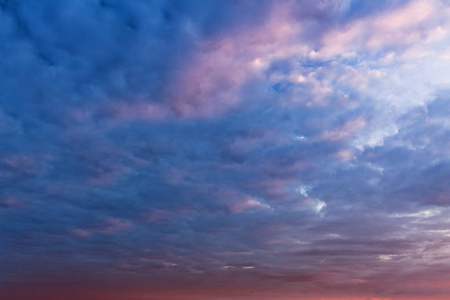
(206, 146)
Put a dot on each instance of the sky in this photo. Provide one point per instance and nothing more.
(224, 150)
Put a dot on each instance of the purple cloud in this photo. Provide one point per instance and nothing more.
(224, 150)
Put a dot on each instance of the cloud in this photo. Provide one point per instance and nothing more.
(212, 146)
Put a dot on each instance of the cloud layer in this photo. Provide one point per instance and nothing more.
(224, 149)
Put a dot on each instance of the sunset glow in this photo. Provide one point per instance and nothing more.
(225, 150)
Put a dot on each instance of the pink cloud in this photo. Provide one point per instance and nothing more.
(160, 215)
(276, 189)
(248, 203)
(237, 202)
(345, 131)
(211, 82)
(10, 202)
(80, 233)
(20, 162)
(344, 155)
(113, 225)
(109, 226)
(407, 25)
